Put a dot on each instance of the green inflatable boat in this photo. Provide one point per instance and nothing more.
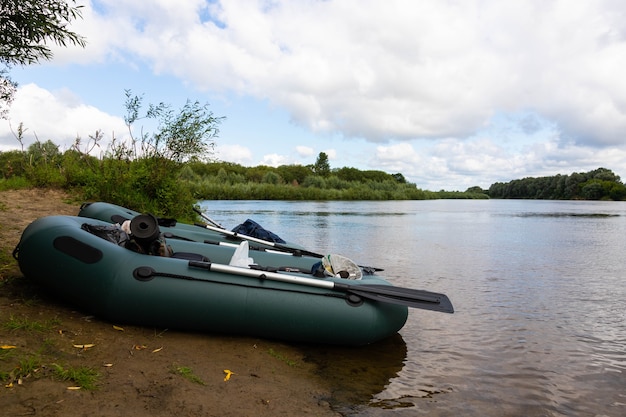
(144, 279)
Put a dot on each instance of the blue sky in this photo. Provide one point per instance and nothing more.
(451, 94)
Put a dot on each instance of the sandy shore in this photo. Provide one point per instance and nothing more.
(141, 370)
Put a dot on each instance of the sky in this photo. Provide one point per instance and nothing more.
(452, 94)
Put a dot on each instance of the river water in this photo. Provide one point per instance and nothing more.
(539, 289)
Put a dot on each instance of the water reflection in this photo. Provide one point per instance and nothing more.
(355, 376)
(539, 291)
(562, 214)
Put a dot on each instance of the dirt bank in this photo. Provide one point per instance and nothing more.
(140, 370)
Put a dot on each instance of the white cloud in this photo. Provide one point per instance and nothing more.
(60, 117)
(331, 153)
(304, 151)
(442, 70)
(234, 153)
(454, 164)
(274, 160)
(401, 152)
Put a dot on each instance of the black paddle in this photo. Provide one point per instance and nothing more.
(384, 293)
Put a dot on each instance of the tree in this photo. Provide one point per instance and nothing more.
(188, 134)
(399, 177)
(475, 189)
(592, 190)
(293, 174)
(349, 174)
(322, 166)
(46, 153)
(598, 184)
(25, 28)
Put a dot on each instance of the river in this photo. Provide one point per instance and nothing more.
(539, 289)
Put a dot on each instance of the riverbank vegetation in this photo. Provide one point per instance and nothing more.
(599, 184)
(166, 186)
(148, 175)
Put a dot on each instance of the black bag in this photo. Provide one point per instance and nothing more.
(253, 229)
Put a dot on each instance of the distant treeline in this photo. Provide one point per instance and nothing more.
(599, 184)
(225, 180)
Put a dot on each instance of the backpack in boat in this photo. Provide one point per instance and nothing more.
(112, 233)
(146, 236)
(253, 229)
(141, 234)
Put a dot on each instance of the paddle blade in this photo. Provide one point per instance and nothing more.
(409, 297)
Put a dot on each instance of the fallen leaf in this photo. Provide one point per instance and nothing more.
(157, 349)
(87, 346)
(228, 374)
(140, 347)
(8, 347)
(121, 329)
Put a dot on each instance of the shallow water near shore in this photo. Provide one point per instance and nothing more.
(539, 289)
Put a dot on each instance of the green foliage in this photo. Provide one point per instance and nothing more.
(294, 174)
(170, 188)
(167, 187)
(8, 87)
(322, 166)
(271, 177)
(81, 376)
(316, 181)
(27, 25)
(282, 358)
(348, 174)
(399, 177)
(599, 184)
(354, 174)
(26, 367)
(26, 324)
(313, 188)
(475, 189)
(188, 374)
(40, 164)
(78, 169)
(592, 189)
(145, 184)
(256, 174)
(182, 135)
(12, 164)
(144, 173)
(458, 195)
(43, 153)
(14, 183)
